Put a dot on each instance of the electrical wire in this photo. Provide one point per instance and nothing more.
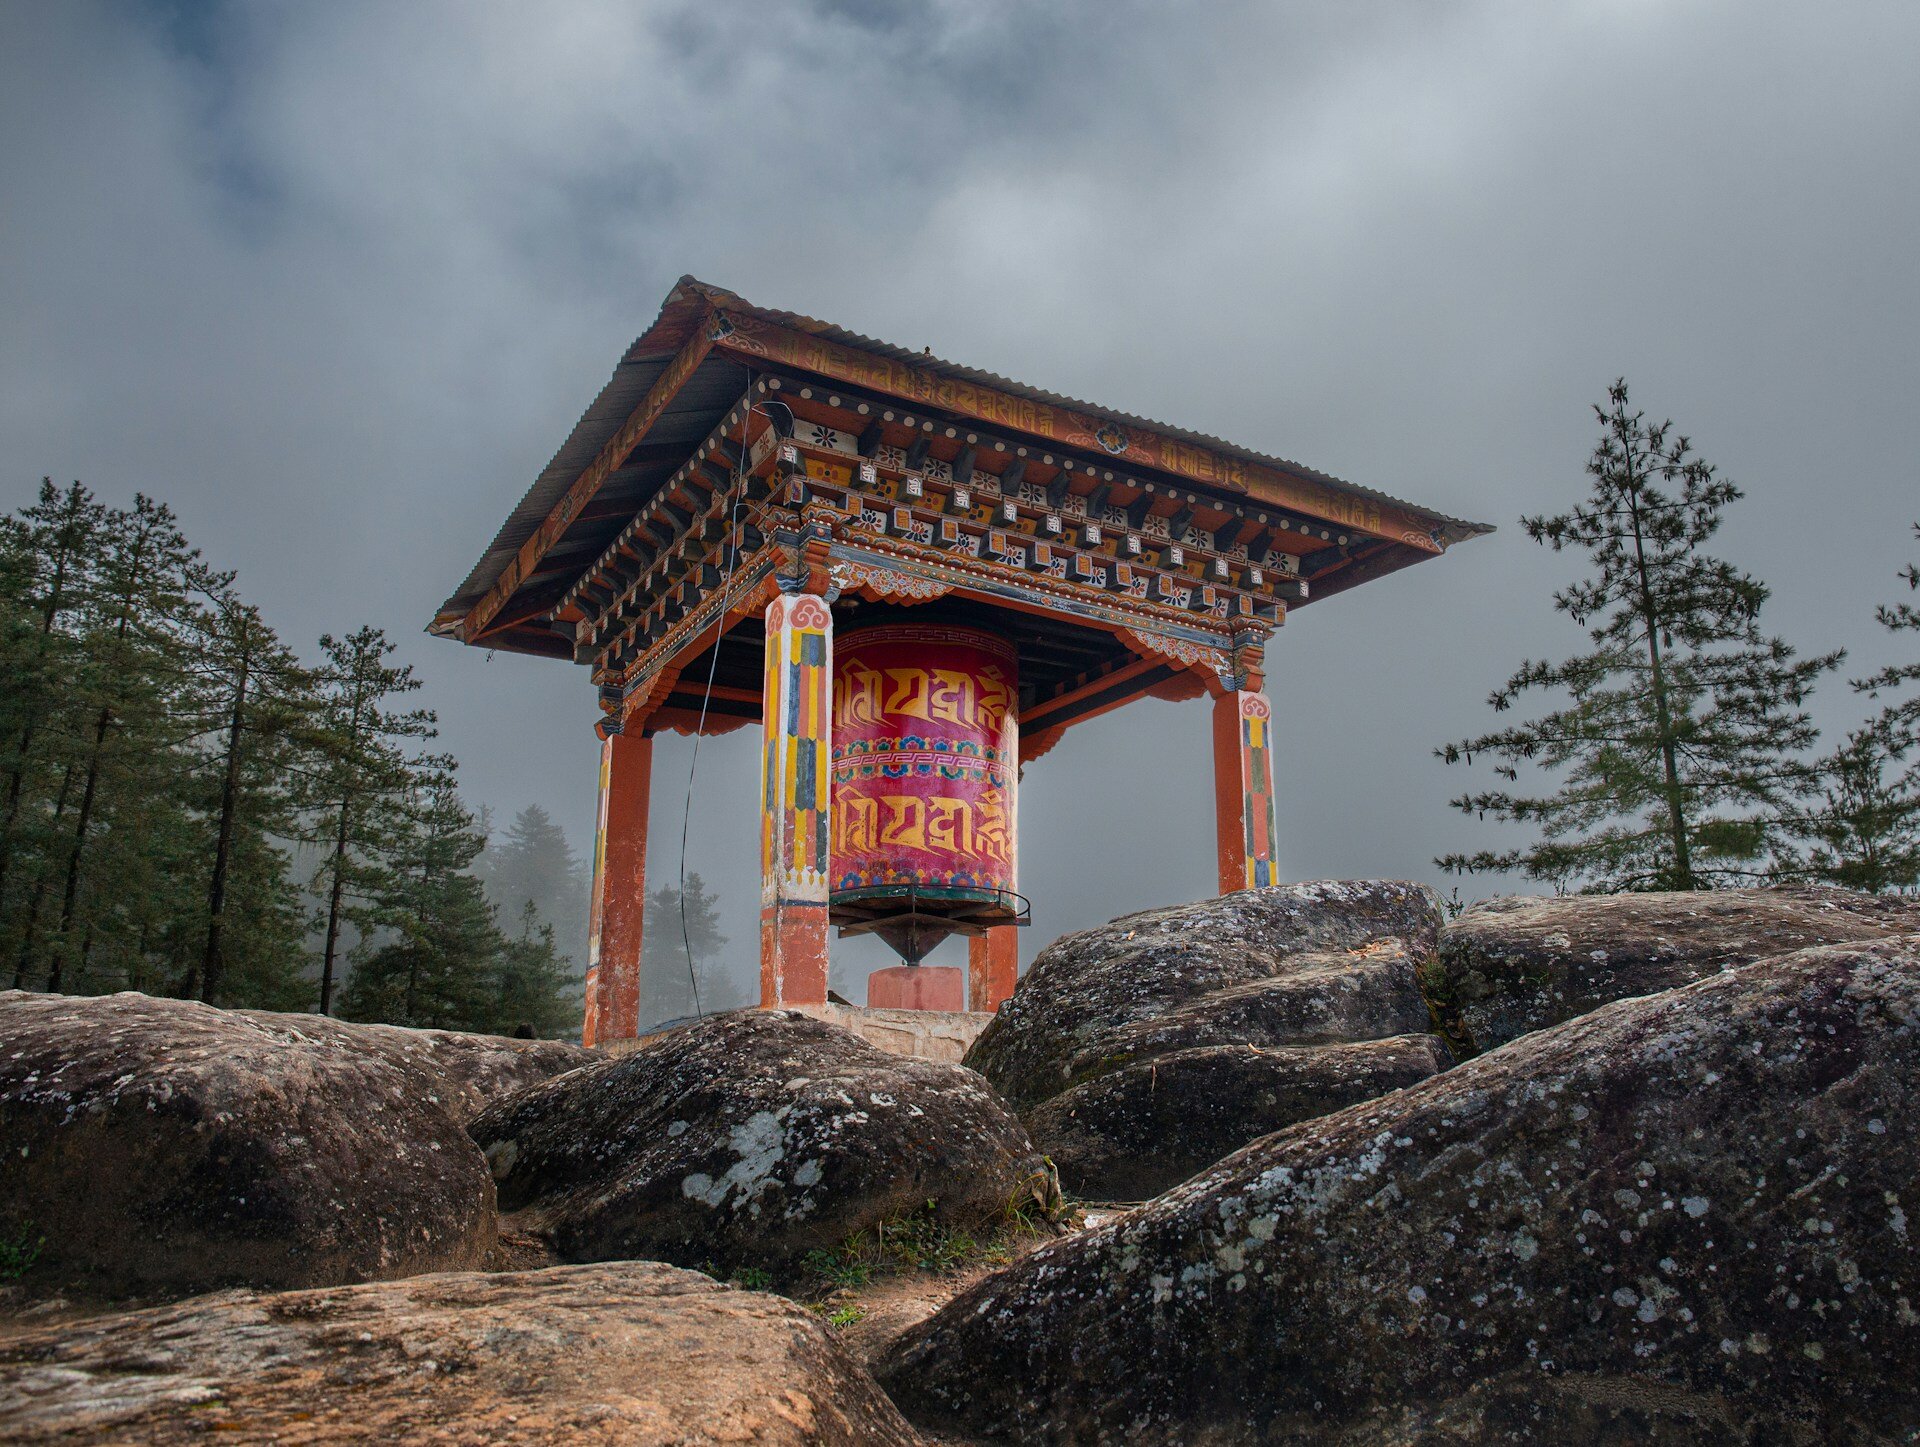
(713, 664)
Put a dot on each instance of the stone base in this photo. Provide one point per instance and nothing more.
(942, 1035)
(917, 987)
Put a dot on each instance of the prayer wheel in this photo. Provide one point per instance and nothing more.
(926, 745)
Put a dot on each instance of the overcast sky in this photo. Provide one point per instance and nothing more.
(336, 279)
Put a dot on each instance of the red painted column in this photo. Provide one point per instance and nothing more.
(993, 967)
(795, 807)
(619, 890)
(1243, 789)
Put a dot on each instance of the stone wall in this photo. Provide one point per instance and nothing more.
(944, 1035)
(918, 1034)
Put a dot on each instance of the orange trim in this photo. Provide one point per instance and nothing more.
(752, 336)
(1036, 717)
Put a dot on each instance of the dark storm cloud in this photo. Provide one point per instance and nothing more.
(337, 279)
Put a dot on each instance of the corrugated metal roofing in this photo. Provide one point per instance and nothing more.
(685, 307)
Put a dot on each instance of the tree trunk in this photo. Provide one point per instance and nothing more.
(16, 779)
(70, 895)
(420, 925)
(213, 966)
(28, 939)
(1663, 716)
(335, 897)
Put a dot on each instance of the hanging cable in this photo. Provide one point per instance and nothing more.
(713, 664)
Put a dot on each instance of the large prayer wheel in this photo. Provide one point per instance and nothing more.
(926, 746)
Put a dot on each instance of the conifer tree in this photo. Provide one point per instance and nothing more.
(356, 794)
(533, 863)
(428, 954)
(1865, 832)
(1901, 715)
(1678, 747)
(536, 990)
(252, 706)
(676, 951)
(122, 754)
(49, 550)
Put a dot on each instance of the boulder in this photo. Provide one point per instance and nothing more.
(749, 1139)
(1130, 1134)
(469, 1071)
(1683, 1217)
(164, 1146)
(1145, 1049)
(1512, 965)
(630, 1353)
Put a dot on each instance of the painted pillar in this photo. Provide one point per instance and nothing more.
(1243, 789)
(993, 967)
(619, 905)
(795, 807)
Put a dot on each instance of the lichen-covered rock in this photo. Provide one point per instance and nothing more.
(471, 1071)
(1516, 964)
(749, 1139)
(1130, 1134)
(1684, 1217)
(1125, 1046)
(633, 1353)
(164, 1146)
(1094, 986)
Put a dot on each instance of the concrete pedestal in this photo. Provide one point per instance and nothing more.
(917, 987)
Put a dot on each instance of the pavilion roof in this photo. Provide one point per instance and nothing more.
(715, 384)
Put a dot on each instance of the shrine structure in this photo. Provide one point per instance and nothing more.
(916, 577)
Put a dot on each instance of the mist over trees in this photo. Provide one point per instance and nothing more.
(188, 809)
(679, 947)
(1679, 746)
(530, 862)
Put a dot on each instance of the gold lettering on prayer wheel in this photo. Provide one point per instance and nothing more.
(925, 749)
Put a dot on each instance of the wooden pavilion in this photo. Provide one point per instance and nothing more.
(751, 482)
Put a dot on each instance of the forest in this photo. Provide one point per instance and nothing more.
(194, 809)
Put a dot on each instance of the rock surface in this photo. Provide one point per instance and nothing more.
(470, 1071)
(164, 1146)
(1512, 965)
(1686, 1217)
(630, 1353)
(749, 1139)
(1146, 1049)
(1130, 1134)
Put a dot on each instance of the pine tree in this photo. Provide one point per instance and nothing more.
(434, 955)
(1679, 746)
(1901, 715)
(120, 761)
(252, 708)
(677, 947)
(49, 553)
(536, 990)
(533, 863)
(1865, 833)
(356, 794)
(429, 950)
